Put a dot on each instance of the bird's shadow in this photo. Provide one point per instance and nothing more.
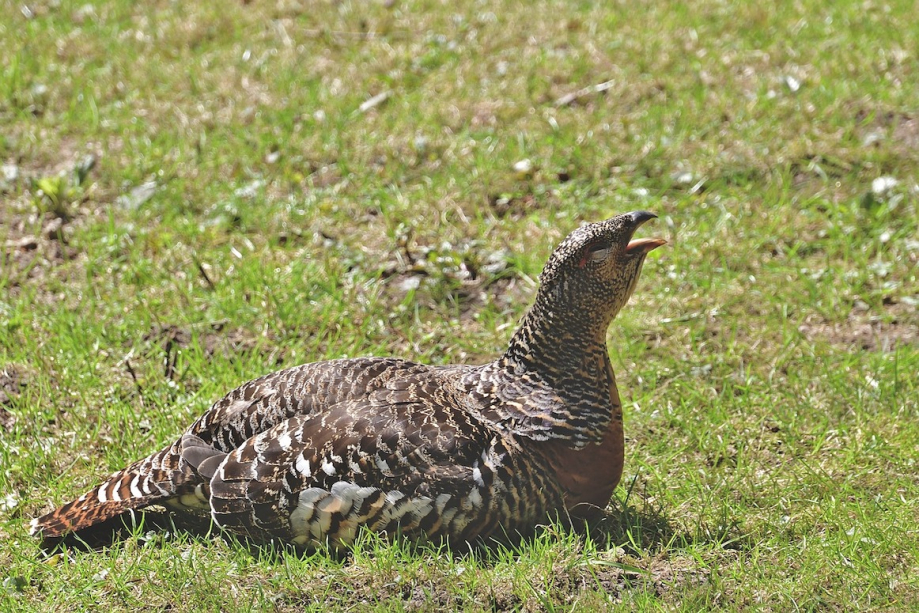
(638, 528)
(125, 526)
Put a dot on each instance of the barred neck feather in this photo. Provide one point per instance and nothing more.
(551, 346)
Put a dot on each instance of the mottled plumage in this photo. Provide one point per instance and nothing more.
(310, 454)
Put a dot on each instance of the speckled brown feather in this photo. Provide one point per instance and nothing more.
(310, 454)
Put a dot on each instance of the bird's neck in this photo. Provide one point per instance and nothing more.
(559, 347)
(567, 357)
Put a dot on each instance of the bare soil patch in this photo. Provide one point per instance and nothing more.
(862, 334)
(12, 381)
(34, 244)
(876, 126)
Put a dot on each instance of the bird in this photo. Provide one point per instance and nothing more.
(313, 454)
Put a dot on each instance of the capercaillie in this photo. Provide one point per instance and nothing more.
(309, 454)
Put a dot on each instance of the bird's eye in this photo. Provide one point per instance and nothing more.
(597, 252)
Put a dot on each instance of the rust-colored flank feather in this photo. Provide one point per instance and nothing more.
(310, 454)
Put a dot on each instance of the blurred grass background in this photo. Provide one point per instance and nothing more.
(195, 194)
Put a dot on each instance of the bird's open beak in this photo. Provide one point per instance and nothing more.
(643, 245)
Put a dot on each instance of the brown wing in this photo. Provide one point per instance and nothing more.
(407, 458)
(261, 403)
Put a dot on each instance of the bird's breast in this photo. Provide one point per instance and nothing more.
(589, 475)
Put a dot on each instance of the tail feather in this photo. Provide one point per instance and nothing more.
(81, 514)
(155, 479)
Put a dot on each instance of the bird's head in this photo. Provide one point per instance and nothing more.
(593, 272)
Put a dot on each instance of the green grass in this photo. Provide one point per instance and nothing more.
(243, 213)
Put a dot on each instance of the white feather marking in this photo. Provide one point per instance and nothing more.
(477, 475)
(383, 466)
(236, 407)
(409, 513)
(101, 495)
(311, 495)
(328, 468)
(346, 493)
(135, 491)
(343, 488)
(390, 511)
(303, 466)
(302, 516)
(285, 441)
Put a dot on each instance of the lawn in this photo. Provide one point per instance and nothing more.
(194, 194)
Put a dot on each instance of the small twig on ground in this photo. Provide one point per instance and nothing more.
(374, 102)
(172, 356)
(140, 389)
(599, 88)
(203, 272)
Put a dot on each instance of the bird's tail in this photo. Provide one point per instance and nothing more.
(162, 477)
